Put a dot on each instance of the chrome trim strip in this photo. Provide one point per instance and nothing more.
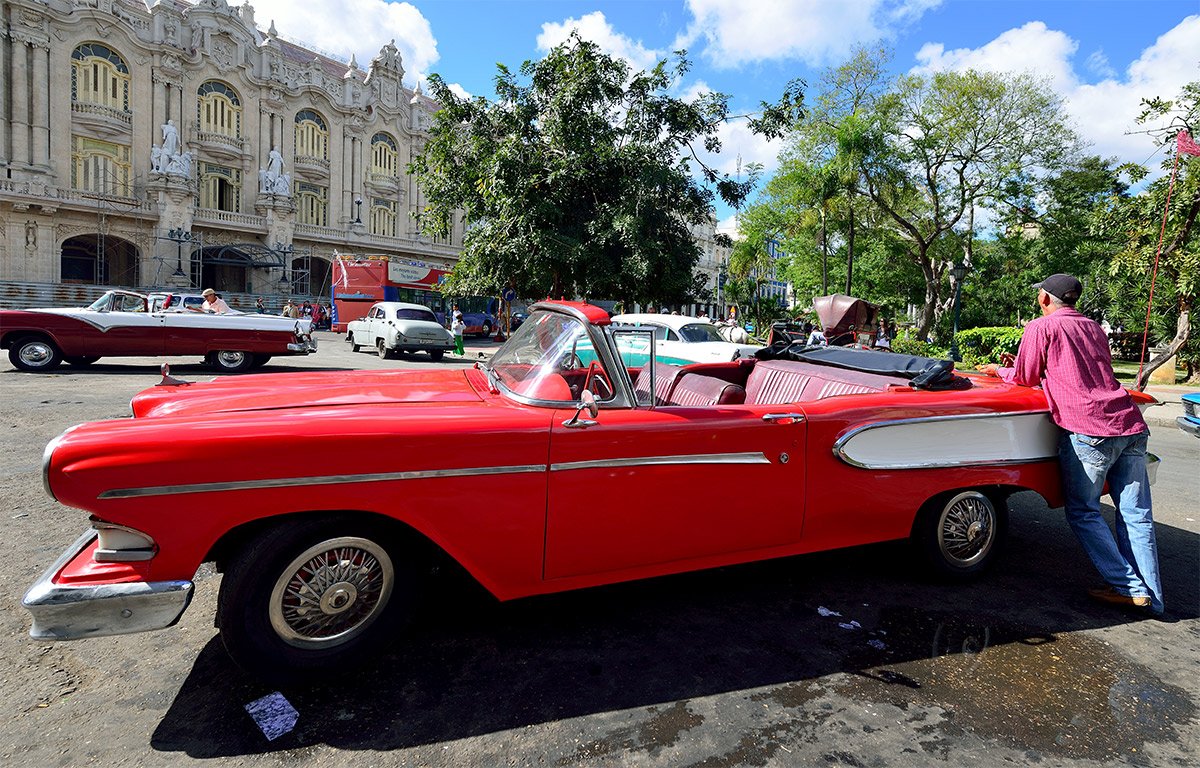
(749, 457)
(284, 482)
(46, 456)
(840, 443)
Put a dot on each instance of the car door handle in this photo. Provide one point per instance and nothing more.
(784, 418)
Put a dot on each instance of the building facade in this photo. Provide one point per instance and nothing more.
(171, 143)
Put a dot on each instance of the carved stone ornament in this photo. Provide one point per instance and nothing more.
(223, 54)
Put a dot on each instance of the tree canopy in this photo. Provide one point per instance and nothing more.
(580, 177)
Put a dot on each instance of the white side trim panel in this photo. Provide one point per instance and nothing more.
(951, 441)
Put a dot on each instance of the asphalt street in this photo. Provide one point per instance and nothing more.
(848, 658)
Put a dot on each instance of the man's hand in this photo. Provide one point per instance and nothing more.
(991, 369)
(1007, 359)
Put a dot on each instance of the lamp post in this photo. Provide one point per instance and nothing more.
(357, 210)
(285, 252)
(720, 281)
(959, 272)
(179, 236)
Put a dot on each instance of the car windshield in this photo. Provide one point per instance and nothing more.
(415, 314)
(700, 332)
(101, 304)
(548, 358)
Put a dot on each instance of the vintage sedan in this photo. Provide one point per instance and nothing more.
(392, 327)
(576, 475)
(1190, 420)
(128, 324)
(680, 340)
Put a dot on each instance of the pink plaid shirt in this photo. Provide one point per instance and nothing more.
(1068, 355)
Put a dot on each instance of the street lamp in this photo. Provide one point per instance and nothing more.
(959, 272)
(720, 284)
(357, 210)
(285, 252)
(179, 236)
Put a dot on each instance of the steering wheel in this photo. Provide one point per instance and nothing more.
(594, 371)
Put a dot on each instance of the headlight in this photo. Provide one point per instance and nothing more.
(121, 544)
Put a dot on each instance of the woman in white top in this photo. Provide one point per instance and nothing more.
(457, 326)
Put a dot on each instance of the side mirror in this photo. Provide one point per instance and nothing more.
(587, 402)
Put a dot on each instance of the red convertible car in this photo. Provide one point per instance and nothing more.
(125, 324)
(580, 474)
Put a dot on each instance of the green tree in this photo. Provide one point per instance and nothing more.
(577, 180)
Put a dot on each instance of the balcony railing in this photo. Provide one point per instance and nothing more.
(212, 137)
(307, 161)
(320, 233)
(99, 110)
(240, 220)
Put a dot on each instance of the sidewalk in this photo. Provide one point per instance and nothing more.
(1172, 405)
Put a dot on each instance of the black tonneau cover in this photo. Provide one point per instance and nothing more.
(921, 372)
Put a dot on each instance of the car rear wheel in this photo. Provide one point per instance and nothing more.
(81, 361)
(314, 598)
(487, 329)
(960, 533)
(353, 347)
(436, 355)
(384, 352)
(34, 354)
(230, 361)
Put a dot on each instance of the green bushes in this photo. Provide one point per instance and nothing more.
(984, 345)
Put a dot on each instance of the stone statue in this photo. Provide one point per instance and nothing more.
(170, 145)
(264, 182)
(156, 159)
(181, 165)
(274, 162)
(283, 185)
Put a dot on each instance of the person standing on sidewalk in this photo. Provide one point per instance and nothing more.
(457, 326)
(1104, 438)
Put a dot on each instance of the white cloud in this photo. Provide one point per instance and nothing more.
(459, 91)
(1097, 64)
(595, 28)
(330, 26)
(1103, 111)
(729, 227)
(817, 31)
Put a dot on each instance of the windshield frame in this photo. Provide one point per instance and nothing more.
(601, 344)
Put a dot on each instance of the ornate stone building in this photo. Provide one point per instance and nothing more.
(172, 143)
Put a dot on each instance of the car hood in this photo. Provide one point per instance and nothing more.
(278, 391)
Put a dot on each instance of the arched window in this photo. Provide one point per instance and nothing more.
(385, 157)
(312, 204)
(220, 187)
(312, 137)
(218, 109)
(99, 76)
(100, 166)
(383, 217)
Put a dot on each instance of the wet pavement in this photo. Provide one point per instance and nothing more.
(847, 658)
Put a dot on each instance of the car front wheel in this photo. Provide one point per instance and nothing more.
(960, 533)
(34, 354)
(313, 598)
(230, 361)
(353, 347)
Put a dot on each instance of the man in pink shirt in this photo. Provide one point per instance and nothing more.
(1104, 438)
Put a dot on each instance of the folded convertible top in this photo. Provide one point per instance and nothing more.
(921, 372)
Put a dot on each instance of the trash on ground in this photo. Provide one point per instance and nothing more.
(273, 714)
(850, 625)
(826, 612)
(878, 645)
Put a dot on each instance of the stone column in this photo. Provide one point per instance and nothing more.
(40, 119)
(20, 102)
(5, 77)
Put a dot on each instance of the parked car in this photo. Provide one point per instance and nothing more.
(393, 327)
(679, 339)
(515, 321)
(535, 474)
(1190, 420)
(125, 324)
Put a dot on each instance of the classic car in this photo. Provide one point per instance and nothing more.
(592, 474)
(125, 324)
(1190, 420)
(392, 327)
(679, 339)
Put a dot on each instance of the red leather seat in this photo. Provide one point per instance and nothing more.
(664, 380)
(696, 390)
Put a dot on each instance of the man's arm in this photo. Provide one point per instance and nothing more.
(1030, 364)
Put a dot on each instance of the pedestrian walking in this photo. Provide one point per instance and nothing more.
(1103, 439)
(259, 307)
(457, 326)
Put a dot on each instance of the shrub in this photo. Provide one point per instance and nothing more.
(919, 348)
(984, 345)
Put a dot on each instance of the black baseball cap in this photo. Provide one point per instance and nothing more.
(1062, 286)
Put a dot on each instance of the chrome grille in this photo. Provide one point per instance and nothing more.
(1189, 408)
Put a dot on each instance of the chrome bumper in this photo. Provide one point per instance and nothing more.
(1188, 425)
(308, 346)
(74, 611)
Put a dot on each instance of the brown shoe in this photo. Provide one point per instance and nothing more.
(1110, 595)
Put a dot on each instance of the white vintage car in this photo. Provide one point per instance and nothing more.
(680, 340)
(392, 327)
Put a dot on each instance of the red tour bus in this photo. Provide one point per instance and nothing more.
(360, 281)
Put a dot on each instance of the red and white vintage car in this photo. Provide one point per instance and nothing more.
(577, 474)
(127, 324)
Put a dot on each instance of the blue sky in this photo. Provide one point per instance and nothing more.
(1102, 56)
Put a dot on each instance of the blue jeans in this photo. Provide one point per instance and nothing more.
(1128, 561)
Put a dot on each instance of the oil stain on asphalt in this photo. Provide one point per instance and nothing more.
(1064, 695)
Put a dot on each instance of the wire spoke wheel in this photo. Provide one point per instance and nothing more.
(967, 528)
(331, 593)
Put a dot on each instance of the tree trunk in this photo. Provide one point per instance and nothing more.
(850, 253)
(824, 255)
(1182, 329)
(929, 311)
